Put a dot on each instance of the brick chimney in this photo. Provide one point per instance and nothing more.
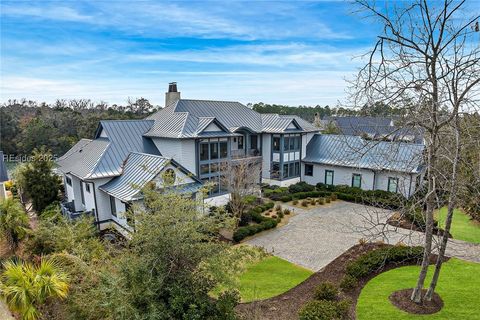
(172, 95)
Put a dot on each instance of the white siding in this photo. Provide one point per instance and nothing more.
(181, 150)
(103, 201)
(68, 188)
(341, 175)
(266, 151)
(212, 127)
(406, 182)
(180, 177)
(89, 196)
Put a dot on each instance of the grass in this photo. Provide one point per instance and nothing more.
(458, 287)
(463, 228)
(270, 277)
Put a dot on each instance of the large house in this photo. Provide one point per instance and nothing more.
(191, 139)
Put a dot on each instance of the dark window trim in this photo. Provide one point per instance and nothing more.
(113, 206)
(69, 180)
(310, 171)
(82, 194)
(333, 177)
(353, 179)
(396, 184)
(87, 187)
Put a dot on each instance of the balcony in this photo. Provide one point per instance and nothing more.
(68, 210)
(242, 154)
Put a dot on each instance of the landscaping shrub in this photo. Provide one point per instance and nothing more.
(333, 196)
(278, 207)
(268, 205)
(274, 216)
(305, 203)
(286, 211)
(343, 307)
(300, 187)
(322, 310)
(375, 260)
(250, 199)
(327, 199)
(349, 282)
(295, 202)
(321, 201)
(243, 232)
(326, 291)
(417, 217)
(286, 198)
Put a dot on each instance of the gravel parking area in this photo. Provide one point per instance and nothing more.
(315, 237)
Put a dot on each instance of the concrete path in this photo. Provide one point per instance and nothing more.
(315, 237)
(4, 312)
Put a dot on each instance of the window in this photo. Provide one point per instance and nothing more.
(285, 170)
(357, 180)
(129, 214)
(286, 143)
(87, 187)
(292, 143)
(204, 169)
(329, 177)
(240, 143)
(392, 184)
(214, 150)
(223, 149)
(81, 193)
(297, 168)
(204, 151)
(309, 170)
(69, 181)
(253, 142)
(113, 207)
(276, 144)
(275, 170)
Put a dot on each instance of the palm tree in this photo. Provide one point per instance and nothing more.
(13, 222)
(25, 287)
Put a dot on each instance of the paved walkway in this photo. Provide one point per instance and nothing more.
(4, 312)
(315, 237)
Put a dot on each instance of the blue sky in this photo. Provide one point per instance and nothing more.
(285, 52)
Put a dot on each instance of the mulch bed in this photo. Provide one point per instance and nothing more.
(401, 300)
(287, 305)
(396, 220)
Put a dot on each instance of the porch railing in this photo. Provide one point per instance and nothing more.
(68, 210)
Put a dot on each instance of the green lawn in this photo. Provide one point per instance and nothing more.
(270, 277)
(463, 228)
(458, 287)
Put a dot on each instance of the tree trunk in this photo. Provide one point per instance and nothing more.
(448, 222)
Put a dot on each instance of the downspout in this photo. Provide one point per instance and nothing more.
(374, 178)
(96, 206)
(410, 187)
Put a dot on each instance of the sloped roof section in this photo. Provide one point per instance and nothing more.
(125, 136)
(186, 119)
(83, 157)
(104, 156)
(275, 123)
(139, 169)
(355, 152)
(3, 169)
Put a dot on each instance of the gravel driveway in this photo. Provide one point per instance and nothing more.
(315, 237)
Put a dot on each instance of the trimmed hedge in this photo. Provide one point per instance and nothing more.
(301, 187)
(243, 232)
(326, 291)
(374, 261)
(324, 310)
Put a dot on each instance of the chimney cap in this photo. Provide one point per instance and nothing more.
(172, 87)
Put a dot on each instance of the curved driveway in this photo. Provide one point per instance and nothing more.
(313, 238)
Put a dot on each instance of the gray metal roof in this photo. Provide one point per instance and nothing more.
(125, 136)
(82, 157)
(375, 128)
(275, 123)
(104, 156)
(139, 169)
(3, 169)
(353, 151)
(187, 118)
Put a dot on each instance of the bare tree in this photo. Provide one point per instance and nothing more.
(241, 178)
(426, 60)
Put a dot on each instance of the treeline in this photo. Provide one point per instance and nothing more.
(308, 112)
(26, 125)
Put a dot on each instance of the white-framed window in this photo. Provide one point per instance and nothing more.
(392, 184)
(329, 177)
(113, 206)
(357, 180)
(308, 169)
